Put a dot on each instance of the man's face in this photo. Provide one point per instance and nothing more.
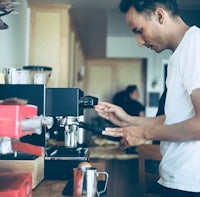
(148, 31)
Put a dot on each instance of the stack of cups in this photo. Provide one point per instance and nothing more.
(17, 76)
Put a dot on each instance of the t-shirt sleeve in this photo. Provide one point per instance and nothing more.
(191, 62)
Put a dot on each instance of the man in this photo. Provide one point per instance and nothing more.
(158, 26)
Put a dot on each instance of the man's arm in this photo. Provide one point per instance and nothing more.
(119, 117)
(188, 130)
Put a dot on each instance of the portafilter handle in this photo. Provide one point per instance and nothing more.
(88, 102)
(92, 128)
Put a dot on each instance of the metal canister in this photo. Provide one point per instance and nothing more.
(85, 182)
(71, 136)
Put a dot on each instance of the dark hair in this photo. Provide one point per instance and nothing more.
(149, 6)
(130, 89)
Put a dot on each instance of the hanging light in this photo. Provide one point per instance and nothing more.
(7, 7)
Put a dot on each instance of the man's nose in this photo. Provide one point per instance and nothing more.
(140, 40)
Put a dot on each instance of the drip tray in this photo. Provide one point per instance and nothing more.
(64, 153)
(60, 161)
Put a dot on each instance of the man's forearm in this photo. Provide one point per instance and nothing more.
(145, 121)
(188, 130)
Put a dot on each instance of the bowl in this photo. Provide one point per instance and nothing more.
(38, 74)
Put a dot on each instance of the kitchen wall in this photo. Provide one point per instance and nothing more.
(13, 45)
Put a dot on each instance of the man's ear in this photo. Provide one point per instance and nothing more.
(159, 14)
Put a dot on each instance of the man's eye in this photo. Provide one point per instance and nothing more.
(137, 31)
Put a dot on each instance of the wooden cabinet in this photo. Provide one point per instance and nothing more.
(33, 166)
(52, 40)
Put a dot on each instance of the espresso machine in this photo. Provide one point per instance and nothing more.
(67, 106)
(18, 119)
(63, 148)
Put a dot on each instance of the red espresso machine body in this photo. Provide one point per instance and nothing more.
(11, 117)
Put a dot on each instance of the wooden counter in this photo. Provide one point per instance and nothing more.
(49, 188)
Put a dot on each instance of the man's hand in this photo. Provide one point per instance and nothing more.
(113, 113)
(131, 136)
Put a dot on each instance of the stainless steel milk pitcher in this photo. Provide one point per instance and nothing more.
(85, 182)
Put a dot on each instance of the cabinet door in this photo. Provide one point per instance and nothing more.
(49, 40)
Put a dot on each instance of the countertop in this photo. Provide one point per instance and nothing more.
(108, 149)
(110, 152)
(50, 188)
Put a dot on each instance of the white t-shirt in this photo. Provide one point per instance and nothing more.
(180, 166)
